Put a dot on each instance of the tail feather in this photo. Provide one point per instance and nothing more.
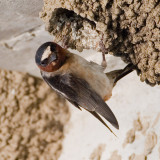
(100, 119)
(116, 75)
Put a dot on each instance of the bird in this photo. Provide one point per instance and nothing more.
(84, 84)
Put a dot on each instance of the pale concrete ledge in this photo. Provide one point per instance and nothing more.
(17, 17)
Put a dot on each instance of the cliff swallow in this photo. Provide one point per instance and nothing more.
(82, 83)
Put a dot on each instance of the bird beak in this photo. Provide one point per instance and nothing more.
(52, 58)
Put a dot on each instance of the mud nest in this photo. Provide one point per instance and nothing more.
(130, 29)
(32, 118)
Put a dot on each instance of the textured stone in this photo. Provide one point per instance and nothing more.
(32, 118)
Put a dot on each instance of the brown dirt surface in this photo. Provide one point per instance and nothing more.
(130, 137)
(137, 157)
(115, 156)
(130, 29)
(150, 142)
(32, 118)
(97, 152)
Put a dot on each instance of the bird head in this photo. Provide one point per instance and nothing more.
(50, 56)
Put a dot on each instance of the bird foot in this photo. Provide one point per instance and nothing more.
(104, 51)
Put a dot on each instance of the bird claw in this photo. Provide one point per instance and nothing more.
(104, 51)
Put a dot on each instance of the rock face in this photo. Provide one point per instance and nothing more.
(32, 118)
(130, 29)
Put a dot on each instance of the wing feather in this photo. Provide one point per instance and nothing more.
(79, 93)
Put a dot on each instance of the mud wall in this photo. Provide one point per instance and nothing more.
(130, 29)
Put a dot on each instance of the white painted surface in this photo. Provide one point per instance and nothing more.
(18, 53)
(18, 16)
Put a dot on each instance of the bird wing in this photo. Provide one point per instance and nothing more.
(79, 93)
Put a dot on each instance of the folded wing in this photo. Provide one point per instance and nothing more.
(79, 93)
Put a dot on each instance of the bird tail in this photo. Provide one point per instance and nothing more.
(100, 119)
(116, 75)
